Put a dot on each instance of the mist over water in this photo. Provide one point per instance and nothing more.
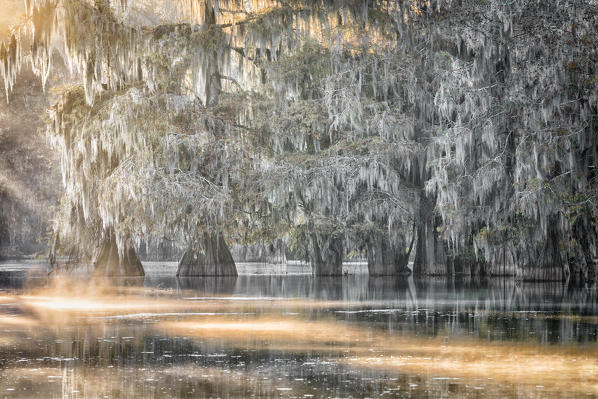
(424, 138)
(293, 336)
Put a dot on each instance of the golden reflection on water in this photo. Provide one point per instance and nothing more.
(552, 367)
(515, 364)
(285, 325)
(71, 382)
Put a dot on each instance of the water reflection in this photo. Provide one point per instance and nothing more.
(214, 285)
(296, 336)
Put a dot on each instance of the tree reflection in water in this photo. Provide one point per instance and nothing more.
(297, 336)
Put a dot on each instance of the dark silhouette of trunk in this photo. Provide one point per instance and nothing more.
(384, 259)
(161, 251)
(212, 78)
(4, 233)
(327, 258)
(273, 253)
(110, 263)
(212, 259)
(465, 261)
(553, 262)
(586, 253)
(430, 256)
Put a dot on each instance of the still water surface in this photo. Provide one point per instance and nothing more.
(293, 336)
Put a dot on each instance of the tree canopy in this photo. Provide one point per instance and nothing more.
(465, 131)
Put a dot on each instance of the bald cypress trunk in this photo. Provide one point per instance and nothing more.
(110, 263)
(212, 259)
(550, 262)
(272, 253)
(430, 256)
(385, 259)
(212, 77)
(466, 261)
(275, 253)
(327, 258)
(586, 250)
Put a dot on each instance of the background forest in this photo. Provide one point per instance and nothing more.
(461, 135)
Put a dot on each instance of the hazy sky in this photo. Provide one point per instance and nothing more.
(10, 13)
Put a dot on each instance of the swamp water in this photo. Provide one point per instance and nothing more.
(293, 336)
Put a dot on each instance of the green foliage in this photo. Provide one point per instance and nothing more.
(332, 118)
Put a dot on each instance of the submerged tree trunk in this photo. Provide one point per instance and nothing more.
(109, 263)
(430, 256)
(214, 259)
(327, 258)
(384, 259)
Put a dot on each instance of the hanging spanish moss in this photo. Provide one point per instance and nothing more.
(431, 137)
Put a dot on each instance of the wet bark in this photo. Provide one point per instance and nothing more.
(110, 263)
(327, 257)
(386, 260)
(430, 255)
(212, 259)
